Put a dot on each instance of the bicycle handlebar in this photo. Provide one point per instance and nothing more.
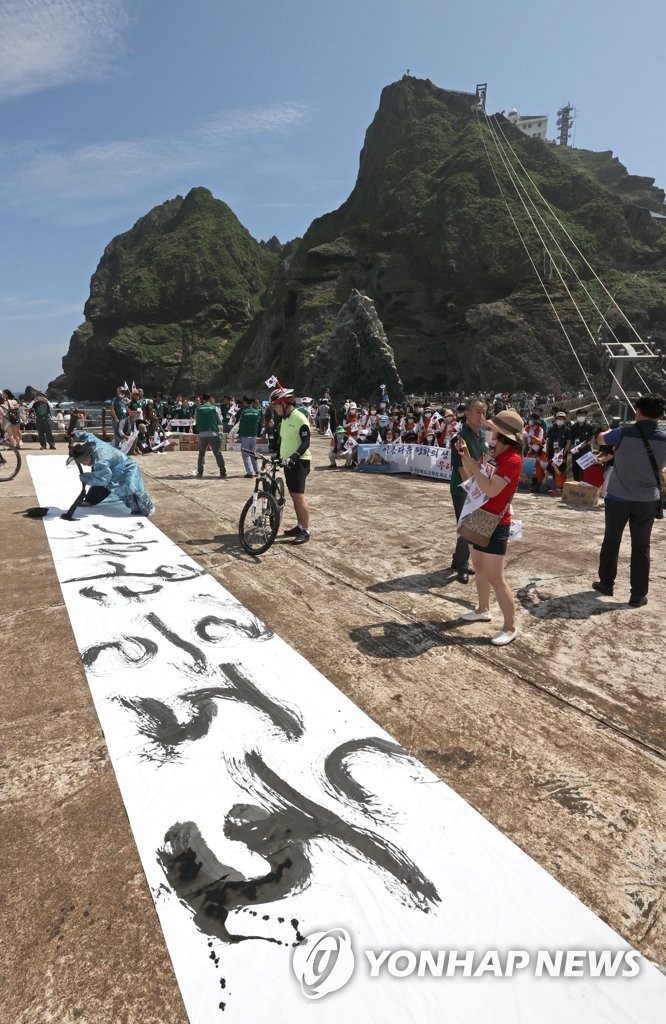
(274, 459)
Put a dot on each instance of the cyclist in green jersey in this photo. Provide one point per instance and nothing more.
(295, 452)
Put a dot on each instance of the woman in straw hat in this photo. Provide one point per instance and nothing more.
(500, 488)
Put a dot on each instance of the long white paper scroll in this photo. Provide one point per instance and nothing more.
(267, 808)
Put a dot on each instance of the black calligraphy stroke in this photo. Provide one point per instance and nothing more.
(85, 532)
(130, 594)
(128, 533)
(95, 595)
(165, 734)
(213, 890)
(338, 774)
(310, 820)
(200, 663)
(252, 629)
(115, 548)
(166, 573)
(124, 647)
(133, 651)
(235, 614)
(280, 828)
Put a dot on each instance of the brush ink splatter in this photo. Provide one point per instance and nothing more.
(213, 890)
(280, 829)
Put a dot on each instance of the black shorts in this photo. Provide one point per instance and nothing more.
(296, 476)
(499, 539)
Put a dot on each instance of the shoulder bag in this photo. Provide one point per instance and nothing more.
(478, 526)
(659, 514)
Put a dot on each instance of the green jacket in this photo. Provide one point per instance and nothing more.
(249, 422)
(207, 419)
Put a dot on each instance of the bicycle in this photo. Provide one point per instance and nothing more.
(261, 514)
(10, 461)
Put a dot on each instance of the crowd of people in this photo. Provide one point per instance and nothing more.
(38, 415)
(488, 439)
(554, 444)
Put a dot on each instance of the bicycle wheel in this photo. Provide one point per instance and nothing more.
(278, 494)
(10, 463)
(259, 523)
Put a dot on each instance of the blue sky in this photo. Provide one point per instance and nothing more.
(108, 107)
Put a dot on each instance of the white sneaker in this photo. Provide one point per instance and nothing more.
(476, 616)
(502, 639)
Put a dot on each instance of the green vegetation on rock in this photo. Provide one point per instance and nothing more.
(187, 297)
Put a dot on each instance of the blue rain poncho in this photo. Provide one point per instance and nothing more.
(118, 473)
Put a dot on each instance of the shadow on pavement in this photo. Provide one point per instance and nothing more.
(409, 640)
(227, 543)
(582, 605)
(421, 583)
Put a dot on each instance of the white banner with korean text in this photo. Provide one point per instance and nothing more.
(417, 459)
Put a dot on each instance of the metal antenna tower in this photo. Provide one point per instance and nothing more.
(565, 120)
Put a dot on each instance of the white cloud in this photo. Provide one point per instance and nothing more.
(45, 43)
(94, 183)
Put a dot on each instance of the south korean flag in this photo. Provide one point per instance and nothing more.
(271, 382)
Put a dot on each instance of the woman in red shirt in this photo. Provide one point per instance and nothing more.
(500, 488)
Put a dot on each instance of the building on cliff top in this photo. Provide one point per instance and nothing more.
(534, 125)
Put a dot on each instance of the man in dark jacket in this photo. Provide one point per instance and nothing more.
(633, 495)
(42, 410)
(582, 433)
(472, 432)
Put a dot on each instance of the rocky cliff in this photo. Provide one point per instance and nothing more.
(429, 234)
(169, 300)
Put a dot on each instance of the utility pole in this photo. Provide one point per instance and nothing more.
(565, 120)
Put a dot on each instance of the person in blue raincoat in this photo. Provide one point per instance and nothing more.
(110, 471)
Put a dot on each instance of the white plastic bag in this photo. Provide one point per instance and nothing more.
(515, 530)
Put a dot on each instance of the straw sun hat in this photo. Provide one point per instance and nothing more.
(509, 422)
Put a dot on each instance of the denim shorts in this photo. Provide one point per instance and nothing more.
(499, 539)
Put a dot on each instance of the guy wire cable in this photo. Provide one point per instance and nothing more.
(512, 179)
(538, 275)
(613, 301)
(581, 254)
(537, 272)
(580, 281)
(525, 246)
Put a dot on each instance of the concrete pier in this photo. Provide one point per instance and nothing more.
(558, 739)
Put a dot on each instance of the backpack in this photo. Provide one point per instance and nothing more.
(13, 417)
